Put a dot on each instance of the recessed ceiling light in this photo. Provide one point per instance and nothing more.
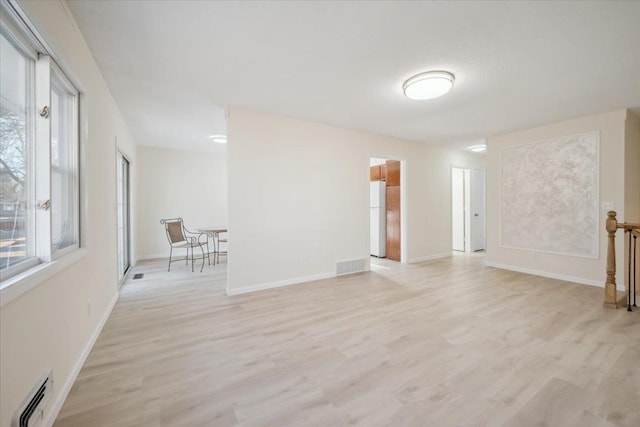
(431, 84)
(220, 139)
(478, 148)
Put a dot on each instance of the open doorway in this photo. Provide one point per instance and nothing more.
(386, 182)
(460, 209)
(468, 228)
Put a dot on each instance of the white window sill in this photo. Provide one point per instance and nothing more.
(22, 283)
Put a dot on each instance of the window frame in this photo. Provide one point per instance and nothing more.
(75, 134)
(26, 275)
(21, 42)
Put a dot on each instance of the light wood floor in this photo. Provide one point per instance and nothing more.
(442, 343)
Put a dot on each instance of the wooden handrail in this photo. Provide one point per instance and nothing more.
(612, 225)
(626, 225)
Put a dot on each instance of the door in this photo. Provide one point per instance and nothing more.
(458, 214)
(478, 225)
(124, 216)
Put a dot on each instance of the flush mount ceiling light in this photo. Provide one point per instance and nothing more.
(429, 85)
(220, 139)
(478, 148)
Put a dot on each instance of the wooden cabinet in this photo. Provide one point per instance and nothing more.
(374, 173)
(393, 223)
(378, 173)
(392, 173)
(393, 209)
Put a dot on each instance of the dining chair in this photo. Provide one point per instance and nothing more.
(216, 247)
(181, 238)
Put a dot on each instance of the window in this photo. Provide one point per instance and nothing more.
(64, 164)
(39, 153)
(16, 136)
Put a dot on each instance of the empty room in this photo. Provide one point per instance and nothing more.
(287, 213)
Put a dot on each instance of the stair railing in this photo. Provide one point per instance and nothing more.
(610, 295)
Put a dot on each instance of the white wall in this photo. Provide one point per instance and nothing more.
(632, 168)
(632, 179)
(612, 188)
(50, 326)
(299, 197)
(173, 183)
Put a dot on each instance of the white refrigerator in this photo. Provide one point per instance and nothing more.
(378, 220)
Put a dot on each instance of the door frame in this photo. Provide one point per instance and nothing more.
(403, 205)
(483, 214)
(122, 156)
(466, 179)
(469, 186)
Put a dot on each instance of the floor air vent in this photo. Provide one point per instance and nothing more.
(348, 267)
(138, 276)
(31, 412)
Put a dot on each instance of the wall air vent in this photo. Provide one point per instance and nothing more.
(31, 411)
(348, 267)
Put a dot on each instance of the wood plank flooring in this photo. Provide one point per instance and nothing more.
(442, 343)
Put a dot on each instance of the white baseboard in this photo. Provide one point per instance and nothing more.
(66, 388)
(548, 274)
(279, 284)
(429, 257)
(154, 256)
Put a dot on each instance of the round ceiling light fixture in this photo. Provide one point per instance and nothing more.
(220, 139)
(429, 85)
(480, 148)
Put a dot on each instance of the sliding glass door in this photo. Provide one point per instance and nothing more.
(124, 217)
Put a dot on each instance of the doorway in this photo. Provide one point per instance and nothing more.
(386, 209)
(477, 209)
(124, 216)
(468, 228)
(459, 209)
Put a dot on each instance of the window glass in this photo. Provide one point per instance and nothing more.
(15, 142)
(123, 215)
(64, 190)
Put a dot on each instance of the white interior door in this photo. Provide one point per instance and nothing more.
(458, 219)
(478, 220)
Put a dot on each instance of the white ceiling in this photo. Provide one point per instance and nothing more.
(173, 66)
